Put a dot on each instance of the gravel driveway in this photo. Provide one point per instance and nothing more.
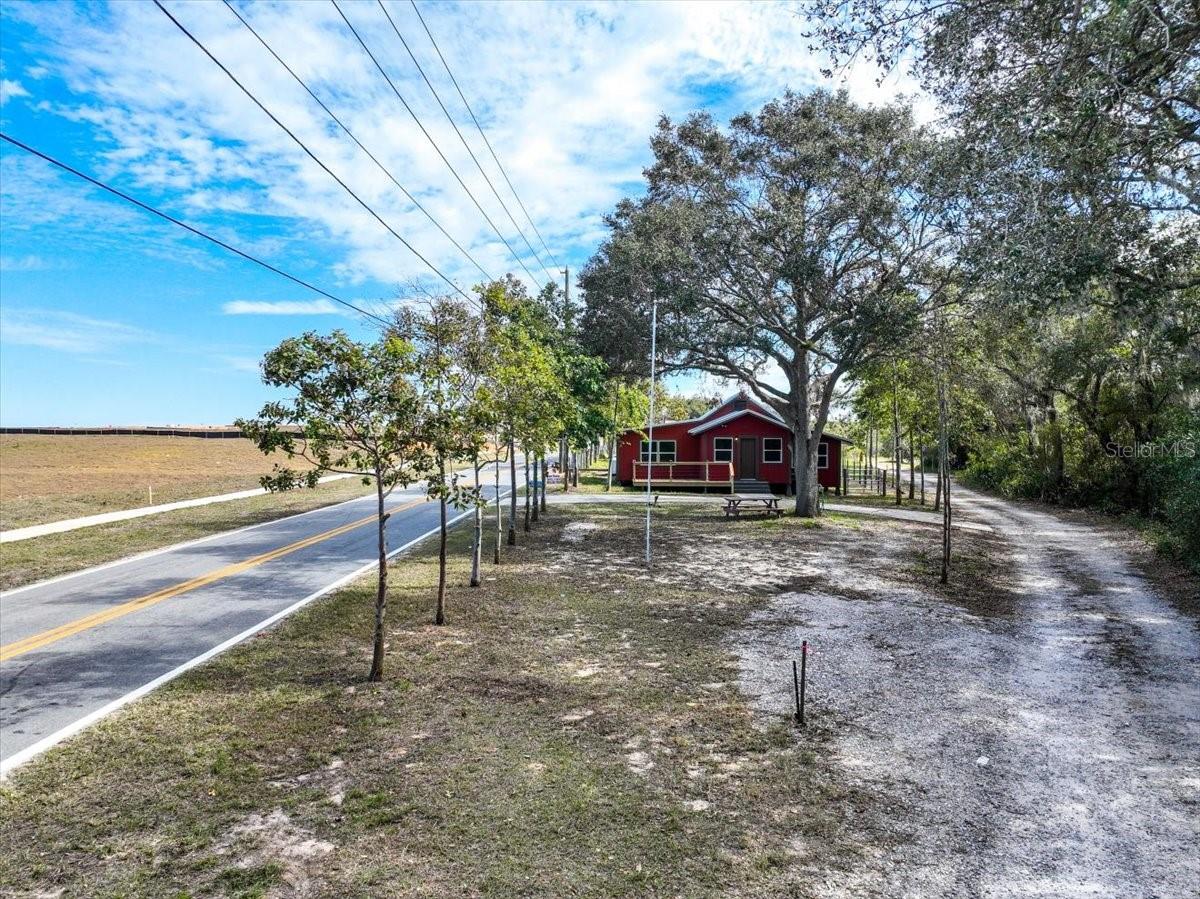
(1049, 747)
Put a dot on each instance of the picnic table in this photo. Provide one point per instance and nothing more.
(767, 503)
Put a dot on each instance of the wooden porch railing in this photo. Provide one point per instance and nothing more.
(684, 474)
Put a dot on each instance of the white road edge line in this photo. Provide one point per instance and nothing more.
(150, 553)
(66, 525)
(29, 752)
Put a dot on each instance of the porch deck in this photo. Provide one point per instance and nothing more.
(718, 475)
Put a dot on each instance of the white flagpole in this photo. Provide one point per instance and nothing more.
(650, 428)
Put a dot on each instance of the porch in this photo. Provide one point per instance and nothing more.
(684, 474)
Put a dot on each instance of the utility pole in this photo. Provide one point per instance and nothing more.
(650, 424)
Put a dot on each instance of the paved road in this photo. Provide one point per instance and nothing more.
(71, 647)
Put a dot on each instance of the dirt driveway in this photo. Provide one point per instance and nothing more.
(1048, 746)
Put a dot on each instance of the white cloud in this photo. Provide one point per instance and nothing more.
(569, 94)
(29, 263)
(243, 364)
(281, 307)
(68, 332)
(10, 89)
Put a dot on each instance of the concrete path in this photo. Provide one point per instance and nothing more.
(87, 521)
(74, 648)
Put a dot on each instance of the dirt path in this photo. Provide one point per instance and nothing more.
(1049, 747)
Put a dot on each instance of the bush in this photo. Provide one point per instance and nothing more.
(1006, 468)
(1174, 479)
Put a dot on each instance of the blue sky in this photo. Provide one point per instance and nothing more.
(108, 316)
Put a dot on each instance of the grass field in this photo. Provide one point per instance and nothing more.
(49, 478)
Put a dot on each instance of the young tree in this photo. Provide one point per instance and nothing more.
(791, 249)
(629, 408)
(352, 408)
(448, 350)
(522, 382)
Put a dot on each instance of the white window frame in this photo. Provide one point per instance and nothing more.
(823, 454)
(659, 451)
(779, 451)
(718, 450)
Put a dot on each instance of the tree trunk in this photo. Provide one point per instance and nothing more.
(545, 480)
(512, 496)
(612, 458)
(535, 489)
(477, 537)
(376, 674)
(805, 471)
(912, 462)
(937, 496)
(896, 432)
(440, 616)
(499, 506)
(1057, 462)
(922, 474)
(944, 454)
(527, 497)
(564, 464)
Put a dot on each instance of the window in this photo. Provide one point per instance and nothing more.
(722, 449)
(822, 455)
(664, 451)
(772, 449)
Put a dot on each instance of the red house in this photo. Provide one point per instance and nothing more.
(739, 442)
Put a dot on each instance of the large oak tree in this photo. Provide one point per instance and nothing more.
(784, 252)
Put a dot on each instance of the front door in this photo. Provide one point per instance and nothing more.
(747, 458)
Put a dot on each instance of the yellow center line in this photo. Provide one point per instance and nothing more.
(45, 638)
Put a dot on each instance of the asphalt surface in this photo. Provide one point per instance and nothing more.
(216, 589)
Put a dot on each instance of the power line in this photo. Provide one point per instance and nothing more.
(350, 134)
(310, 153)
(467, 146)
(479, 127)
(421, 125)
(182, 224)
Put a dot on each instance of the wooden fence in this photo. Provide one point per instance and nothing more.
(865, 479)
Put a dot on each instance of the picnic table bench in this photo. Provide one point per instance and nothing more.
(736, 503)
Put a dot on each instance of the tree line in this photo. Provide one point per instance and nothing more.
(1014, 287)
(446, 391)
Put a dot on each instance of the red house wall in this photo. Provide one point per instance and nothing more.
(829, 476)
(774, 473)
(699, 447)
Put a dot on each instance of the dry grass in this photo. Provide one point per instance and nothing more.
(26, 561)
(576, 730)
(49, 478)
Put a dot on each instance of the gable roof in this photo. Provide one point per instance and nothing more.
(739, 395)
(756, 408)
(730, 416)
